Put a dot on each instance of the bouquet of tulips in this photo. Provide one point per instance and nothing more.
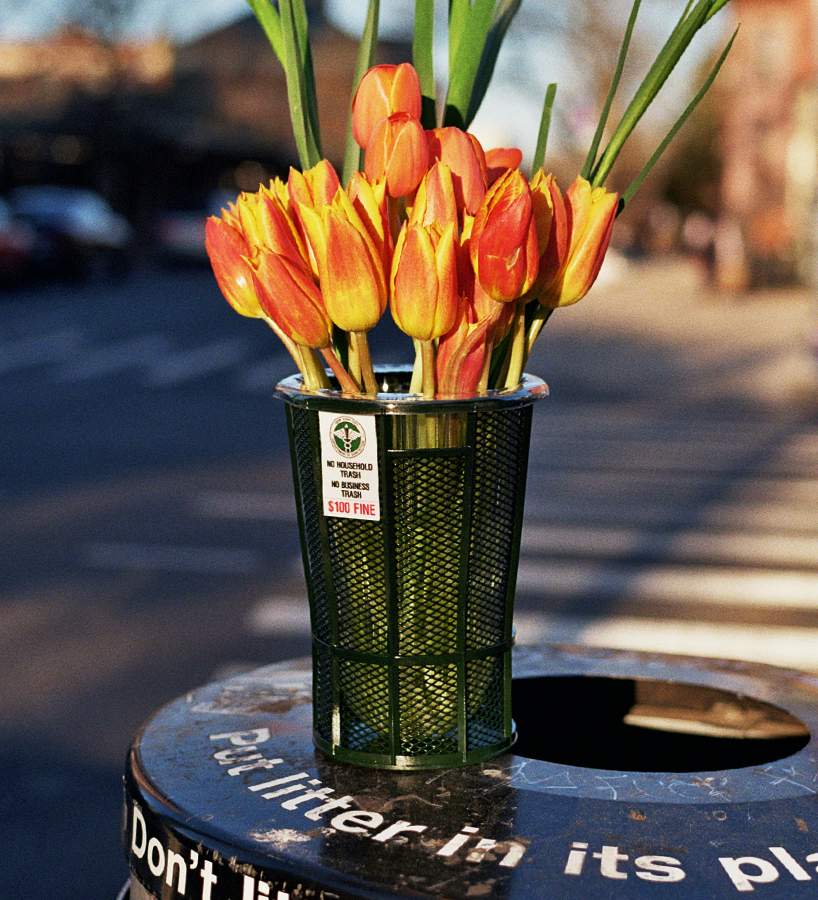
(469, 254)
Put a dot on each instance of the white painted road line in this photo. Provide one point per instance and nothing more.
(709, 586)
(115, 357)
(190, 364)
(570, 484)
(795, 648)
(280, 614)
(245, 505)
(262, 376)
(731, 548)
(782, 518)
(148, 557)
(36, 351)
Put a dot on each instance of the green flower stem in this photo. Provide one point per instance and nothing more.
(354, 361)
(427, 349)
(483, 383)
(366, 57)
(361, 344)
(541, 315)
(289, 344)
(545, 127)
(345, 381)
(416, 385)
(517, 357)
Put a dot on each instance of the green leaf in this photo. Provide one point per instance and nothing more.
(590, 159)
(423, 58)
(545, 126)
(669, 55)
(458, 15)
(502, 20)
(302, 26)
(467, 60)
(294, 64)
(634, 186)
(717, 6)
(365, 58)
(270, 22)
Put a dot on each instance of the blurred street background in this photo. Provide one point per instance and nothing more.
(148, 528)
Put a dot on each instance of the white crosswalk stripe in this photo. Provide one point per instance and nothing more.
(649, 532)
(188, 365)
(115, 357)
(39, 350)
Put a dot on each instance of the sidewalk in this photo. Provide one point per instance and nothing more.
(654, 331)
(673, 488)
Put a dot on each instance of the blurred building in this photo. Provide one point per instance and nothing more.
(153, 125)
(769, 217)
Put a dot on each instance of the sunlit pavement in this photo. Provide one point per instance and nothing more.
(149, 531)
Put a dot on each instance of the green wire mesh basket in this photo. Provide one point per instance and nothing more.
(411, 607)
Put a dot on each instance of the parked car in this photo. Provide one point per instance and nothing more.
(180, 233)
(17, 246)
(82, 234)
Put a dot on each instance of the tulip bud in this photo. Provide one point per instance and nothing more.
(351, 274)
(424, 281)
(228, 252)
(292, 300)
(503, 244)
(369, 201)
(435, 202)
(461, 355)
(499, 159)
(383, 91)
(397, 149)
(592, 216)
(463, 154)
(267, 224)
(315, 187)
(310, 191)
(553, 233)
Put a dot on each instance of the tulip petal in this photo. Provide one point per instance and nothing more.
(228, 250)
(353, 287)
(292, 300)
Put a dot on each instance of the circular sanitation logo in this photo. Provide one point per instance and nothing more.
(347, 436)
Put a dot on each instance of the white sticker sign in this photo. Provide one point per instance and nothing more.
(349, 466)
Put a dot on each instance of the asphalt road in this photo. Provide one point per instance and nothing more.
(149, 537)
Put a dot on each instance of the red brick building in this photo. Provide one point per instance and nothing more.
(770, 145)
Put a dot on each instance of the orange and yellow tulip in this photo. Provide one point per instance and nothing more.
(551, 215)
(592, 212)
(424, 281)
(435, 202)
(383, 91)
(290, 297)
(499, 159)
(463, 154)
(350, 267)
(503, 243)
(266, 223)
(368, 198)
(398, 151)
(461, 355)
(228, 251)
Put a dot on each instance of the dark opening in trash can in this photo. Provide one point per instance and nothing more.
(641, 725)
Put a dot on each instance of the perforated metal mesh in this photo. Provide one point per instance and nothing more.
(411, 615)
